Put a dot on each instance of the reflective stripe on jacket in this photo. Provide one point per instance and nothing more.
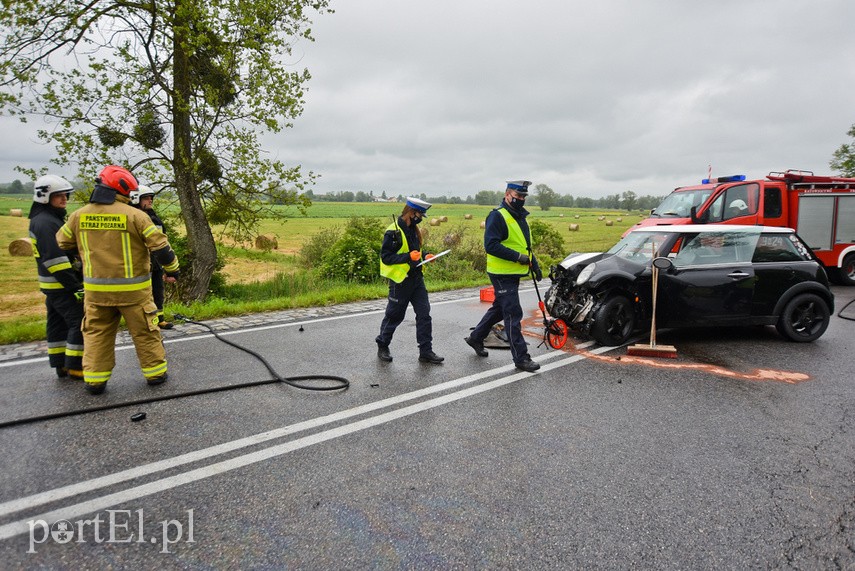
(115, 242)
(54, 266)
(396, 272)
(515, 241)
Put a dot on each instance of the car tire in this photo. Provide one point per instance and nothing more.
(614, 321)
(846, 272)
(805, 318)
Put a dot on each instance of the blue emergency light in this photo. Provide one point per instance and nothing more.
(732, 178)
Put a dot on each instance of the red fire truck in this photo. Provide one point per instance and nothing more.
(820, 208)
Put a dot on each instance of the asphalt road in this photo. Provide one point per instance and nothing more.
(738, 454)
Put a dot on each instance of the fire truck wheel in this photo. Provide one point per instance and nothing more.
(846, 273)
(804, 319)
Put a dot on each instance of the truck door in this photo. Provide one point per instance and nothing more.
(772, 205)
(738, 204)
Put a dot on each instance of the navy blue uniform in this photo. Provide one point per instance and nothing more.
(411, 291)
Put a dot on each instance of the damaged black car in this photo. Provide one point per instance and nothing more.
(715, 275)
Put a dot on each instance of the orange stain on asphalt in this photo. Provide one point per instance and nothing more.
(533, 327)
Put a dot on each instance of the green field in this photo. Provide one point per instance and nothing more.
(264, 281)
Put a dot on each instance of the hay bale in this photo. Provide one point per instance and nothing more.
(576, 216)
(574, 227)
(16, 212)
(443, 218)
(619, 219)
(610, 222)
(601, 218)
(467, 217)
(434, 221)
(483, 224)
(21, 247)
(266, 242)
(561, 216)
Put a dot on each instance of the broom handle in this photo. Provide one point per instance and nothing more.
(655, 276)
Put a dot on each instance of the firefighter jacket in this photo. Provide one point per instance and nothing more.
(115, 241)
(56, 273)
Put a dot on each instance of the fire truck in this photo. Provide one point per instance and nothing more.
(820, 208)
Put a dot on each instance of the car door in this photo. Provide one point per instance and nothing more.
(711, 283)
(779, 265)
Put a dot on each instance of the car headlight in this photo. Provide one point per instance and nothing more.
(585, 274)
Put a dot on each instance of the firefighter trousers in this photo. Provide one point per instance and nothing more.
(100, 324)
(64, 338)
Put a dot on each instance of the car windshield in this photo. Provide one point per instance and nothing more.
(679, 203)
(639, 247)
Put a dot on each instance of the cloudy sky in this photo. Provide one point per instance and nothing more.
(590, 97)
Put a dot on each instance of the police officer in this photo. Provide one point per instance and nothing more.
(115, 241)
(400, 255)
(58, 279)
(143, 199)
(507, 240)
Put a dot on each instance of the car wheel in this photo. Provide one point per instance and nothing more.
(846, 272)
(614, 322)
(805, 318)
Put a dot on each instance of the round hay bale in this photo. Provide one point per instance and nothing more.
(576, 216)
(601, 218)
(16, 212)
(574, 227)
(610, 222)
(434, 221)
(21, 247)
(483, 224)
(443, 218)
(467, 217)
(561, 216)
(266, 242)
(619, 219)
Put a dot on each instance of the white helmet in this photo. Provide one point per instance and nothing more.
(739, 203)
(143, 190)
(49, 184)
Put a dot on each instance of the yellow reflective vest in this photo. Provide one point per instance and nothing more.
(396, 272)
(114, 241)
(516, 242)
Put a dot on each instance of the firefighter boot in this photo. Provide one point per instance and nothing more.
(95, 388)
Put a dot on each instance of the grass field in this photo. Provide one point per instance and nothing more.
(22, 314)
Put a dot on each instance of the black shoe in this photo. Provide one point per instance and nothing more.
(528, 366)
(61, 372)
(383, 353)
(95, 388)
(431, 357)
(157, 380)
(478, 346)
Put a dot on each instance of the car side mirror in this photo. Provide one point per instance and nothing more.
(663, 263)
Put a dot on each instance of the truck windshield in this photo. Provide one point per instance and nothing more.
(679, 203)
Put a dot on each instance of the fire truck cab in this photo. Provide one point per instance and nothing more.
(820, 208)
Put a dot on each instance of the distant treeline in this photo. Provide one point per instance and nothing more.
(626, 201)
(17, 187)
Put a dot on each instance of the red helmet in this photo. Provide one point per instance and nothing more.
(119, 179)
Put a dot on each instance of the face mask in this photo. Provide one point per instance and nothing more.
(417, 219)
(517, 202)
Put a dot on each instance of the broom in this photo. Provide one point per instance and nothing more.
(653, 350)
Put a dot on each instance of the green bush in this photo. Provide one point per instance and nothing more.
(313, 250)
(356, 255)
(547, 243)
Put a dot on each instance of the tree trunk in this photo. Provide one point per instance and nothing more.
(200, 240)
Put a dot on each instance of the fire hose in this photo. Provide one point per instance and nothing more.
(338, 383)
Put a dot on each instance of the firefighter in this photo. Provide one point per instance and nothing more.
(507, 240)
(58, 279)
(115, 241)
(400, 255)
(144, 199)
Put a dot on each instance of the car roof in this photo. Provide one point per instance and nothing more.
(718, 228)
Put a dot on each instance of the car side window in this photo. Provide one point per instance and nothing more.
(776, 248)
(715, 248)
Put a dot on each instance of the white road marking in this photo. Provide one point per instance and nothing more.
(96, 504)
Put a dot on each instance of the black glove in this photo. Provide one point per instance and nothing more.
(176, 274)
(538, 275)
(523, 259)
